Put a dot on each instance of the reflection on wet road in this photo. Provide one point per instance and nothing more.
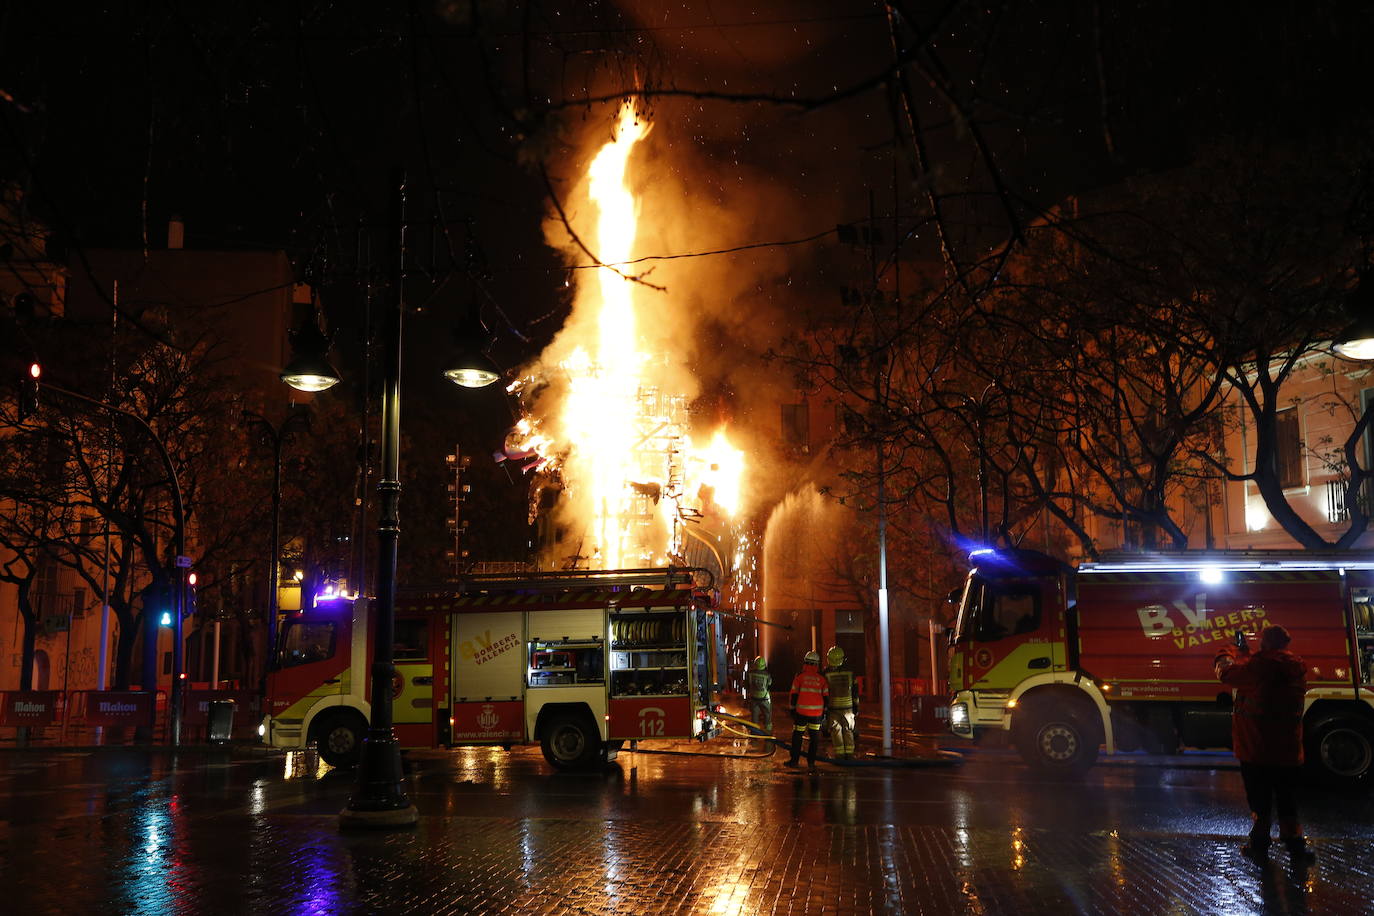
(125, 831)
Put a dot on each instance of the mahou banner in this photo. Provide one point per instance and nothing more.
(29, 707)
(118, 707)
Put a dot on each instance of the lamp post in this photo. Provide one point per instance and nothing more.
(276, 437)
(380, 798)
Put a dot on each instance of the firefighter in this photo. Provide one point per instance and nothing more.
(809, 690)
(842, 708)
(1266, 734)
(759, 687)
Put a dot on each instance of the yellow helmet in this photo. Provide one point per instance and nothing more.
(812, 658)
(760, 664)
(835, 657)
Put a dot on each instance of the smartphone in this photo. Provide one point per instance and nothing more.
(1240, 639)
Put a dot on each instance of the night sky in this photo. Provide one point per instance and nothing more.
(273, 125)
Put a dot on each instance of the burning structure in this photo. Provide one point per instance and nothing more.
(609, 422)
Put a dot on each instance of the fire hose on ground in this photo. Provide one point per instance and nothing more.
(753, 731)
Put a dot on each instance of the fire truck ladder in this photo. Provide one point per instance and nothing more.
(608, 579)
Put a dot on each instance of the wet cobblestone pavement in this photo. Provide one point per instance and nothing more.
(122, 832)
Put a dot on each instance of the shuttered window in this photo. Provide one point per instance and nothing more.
(1288, 449)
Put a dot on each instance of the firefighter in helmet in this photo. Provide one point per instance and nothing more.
(758, 690)
(842, 707)
(809, 690)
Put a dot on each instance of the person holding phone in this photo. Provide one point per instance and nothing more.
(1266, 735)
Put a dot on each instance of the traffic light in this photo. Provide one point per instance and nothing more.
(165, 603)
(158, 600)
(190, 609)
(28, 392)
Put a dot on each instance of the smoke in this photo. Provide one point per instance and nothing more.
(719, 190)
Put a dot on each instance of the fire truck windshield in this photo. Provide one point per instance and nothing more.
(305, 642)
(996, 607)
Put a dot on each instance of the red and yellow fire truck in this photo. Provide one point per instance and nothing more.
(1118, 653)
(579, 662)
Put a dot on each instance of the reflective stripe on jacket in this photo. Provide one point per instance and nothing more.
(760, 682)
(809, 690)
(841, 682)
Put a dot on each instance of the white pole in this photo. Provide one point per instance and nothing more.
(884, 647)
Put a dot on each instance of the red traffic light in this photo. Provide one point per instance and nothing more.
(191, 579)
(28, 392)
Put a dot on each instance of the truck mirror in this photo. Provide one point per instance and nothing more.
(954, 595)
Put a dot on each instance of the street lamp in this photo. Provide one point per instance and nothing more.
(310, 369)
(276, 437)
(1357, 340)
(380, 799)
(470, 366)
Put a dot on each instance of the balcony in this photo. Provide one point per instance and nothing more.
(1336, 509)
(55, 610)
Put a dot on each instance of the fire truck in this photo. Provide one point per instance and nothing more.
(580, 662)
(1118, 654)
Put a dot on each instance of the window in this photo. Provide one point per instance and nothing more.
(1288, 449)
(412, 640)
(304, 643)
(796, 427)
(1007, 609)
(45, 582)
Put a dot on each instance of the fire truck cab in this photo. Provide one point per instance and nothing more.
(1119, 653)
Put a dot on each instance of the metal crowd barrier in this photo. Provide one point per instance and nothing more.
(100, 717)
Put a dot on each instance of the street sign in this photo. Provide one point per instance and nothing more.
(183, 562)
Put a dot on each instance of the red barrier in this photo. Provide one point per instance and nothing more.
(35, 708)
(112, 707)
(908, 686)
(930, 714)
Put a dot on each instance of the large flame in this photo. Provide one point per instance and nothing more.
(628, 463)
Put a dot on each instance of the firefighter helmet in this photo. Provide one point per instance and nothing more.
(760, 664)
(812, 658)
(834, 657)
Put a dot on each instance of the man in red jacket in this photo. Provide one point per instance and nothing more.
(809, 690)
(1266, 733)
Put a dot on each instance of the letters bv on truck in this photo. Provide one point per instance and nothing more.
(578, 662)
(1117, 654)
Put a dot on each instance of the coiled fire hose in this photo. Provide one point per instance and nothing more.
(754, 732)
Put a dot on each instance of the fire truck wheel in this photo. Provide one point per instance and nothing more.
(570, 742)
(1341, 749)
(340, 740)
(1055, 738)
